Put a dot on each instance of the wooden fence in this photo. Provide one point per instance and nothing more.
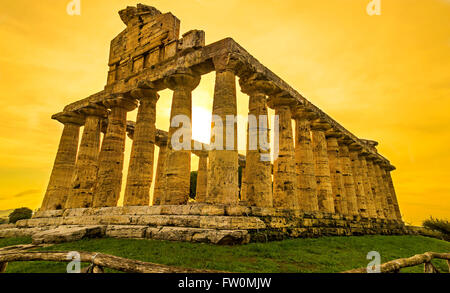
(395, 266)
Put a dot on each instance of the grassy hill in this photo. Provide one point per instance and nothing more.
(322, 255)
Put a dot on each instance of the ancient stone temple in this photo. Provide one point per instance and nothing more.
(323, 181)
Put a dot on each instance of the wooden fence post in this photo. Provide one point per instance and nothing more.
(3, 266)
(428, 267)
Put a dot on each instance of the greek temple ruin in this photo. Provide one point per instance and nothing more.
(324, 181)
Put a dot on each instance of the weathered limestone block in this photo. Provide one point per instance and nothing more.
(126, 231)
(86, 169)
(142, 210)
(237, 210)
(160, 179)
(48, 214)
(140, 171)
(60, 179)
(178, 161)
(337, 180)
(262, 212)
(371, 206)
(284, 176)
(202, 178)
(192, 39)
(169, 220)
(20, 232)
(107, 191)
(258, 169)
(223, 185)
(221, 237)
(231, 223)
(324, 187)
(42, 222)
(175, 209)
(304, 158)
(279, 223)
(68, 234)
(377, 196)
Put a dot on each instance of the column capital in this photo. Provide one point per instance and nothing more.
(331, 133)
(372, 157)
(225, 62)
(69, 118)
(280, 100)
(257, 84)
(353, 146)
(388, 167)
(345, 140)
(120, 101)
(145, 90)
(320, 125)
(94, 110)
(372, 144)
(182, 79)
(299, 112)
(161, 138)
(364, 154)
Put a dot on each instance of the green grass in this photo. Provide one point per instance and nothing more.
(14, 241)
(321, 255)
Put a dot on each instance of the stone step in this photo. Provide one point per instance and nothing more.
(68, 234)
(190, 221)
(213, 236)
(197, 209)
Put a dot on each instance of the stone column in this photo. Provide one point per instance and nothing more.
(257, 174)
(305, 164)
(160, 179)
(85, 178)
(377, 196)
(337, 180)
(284, 176)
(348, 177)
(243, 184)
(388, 206)
(371, 205)
(64, 165)
(357, 171)
(140, 171)
(223, 168)
(324, 188)
(111, 156)
(202, 177)
(390, 186)
(178, 161)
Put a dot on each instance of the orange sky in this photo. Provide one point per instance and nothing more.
(383, 77)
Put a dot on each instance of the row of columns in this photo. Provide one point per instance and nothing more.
(317, 170)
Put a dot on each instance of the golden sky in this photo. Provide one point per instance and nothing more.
(385, 78)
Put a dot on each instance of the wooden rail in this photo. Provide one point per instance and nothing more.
(98, 261)
(395, 266)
